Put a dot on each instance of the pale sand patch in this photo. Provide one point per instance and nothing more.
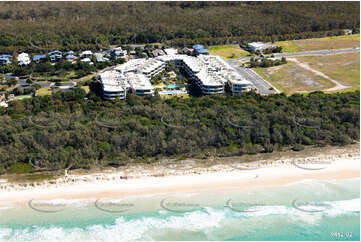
(283, 173)
(272, 70)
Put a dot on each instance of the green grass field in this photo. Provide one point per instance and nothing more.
(43, 91)
(86, 88)
(228, 52)
(334, 42)
(16, 98)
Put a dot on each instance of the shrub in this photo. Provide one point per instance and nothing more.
(298, 147)
(19, 168)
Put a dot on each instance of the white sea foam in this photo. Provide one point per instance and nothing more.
(145, 228)
(136, 229)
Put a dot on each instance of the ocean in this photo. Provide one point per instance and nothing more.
(307, 210)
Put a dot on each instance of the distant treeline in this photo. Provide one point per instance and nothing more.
(91, 25)
(80, 130)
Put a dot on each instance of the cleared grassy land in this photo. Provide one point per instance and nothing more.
(86, 88)
(43, 91)
(335, 42)
(290, 78)
(63, 76)
(344, 68)
(16, 98)
(228, 51)
(165, 96)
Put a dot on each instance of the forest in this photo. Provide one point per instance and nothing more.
(91, 25)
(82, 131)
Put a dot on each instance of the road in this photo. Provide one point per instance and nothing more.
(262, 85)
(303, 53)
(318, 52)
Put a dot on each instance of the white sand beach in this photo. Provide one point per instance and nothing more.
(221, 177)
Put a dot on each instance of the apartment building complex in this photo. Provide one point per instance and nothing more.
(133, 76)
(210, 73)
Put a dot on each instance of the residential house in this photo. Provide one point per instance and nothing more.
(259, 46)
(118, 53)
(171, 51)
(87, 54)
(39, 58)
(347, 31)
(5, 59)
(100, 57)
(199, 50)
(158, 52)
(23, 59)
(55, 55)
(87, 60)
(188, 51)
(70, 52)
(71, 58)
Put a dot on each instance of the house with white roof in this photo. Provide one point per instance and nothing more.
(23, 59)
(100, 57)
(87, 54)
(87, 60)
(259, 46)
(171, 51)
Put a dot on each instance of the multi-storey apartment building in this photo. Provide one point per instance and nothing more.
(210, 73)
(112, 85)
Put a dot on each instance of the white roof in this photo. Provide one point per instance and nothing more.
(171, 51)
(256, 44)
(87, 52)
(4, 104)
(139, 81)
(150, 65)
(117, 81)
(259, 45)
(111, 81)
(212, 70)
(86, 60)
(22, 55)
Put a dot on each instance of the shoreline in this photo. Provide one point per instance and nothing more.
(220, 177)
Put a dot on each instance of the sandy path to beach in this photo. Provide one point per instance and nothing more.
(343, 168)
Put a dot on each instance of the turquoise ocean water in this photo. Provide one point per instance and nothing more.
(307, 210)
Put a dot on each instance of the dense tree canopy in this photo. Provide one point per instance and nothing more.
(79, 129)
(90, 24)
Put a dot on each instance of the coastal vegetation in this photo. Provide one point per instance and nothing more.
(267, 62)
(36, 26)
(79, 130)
